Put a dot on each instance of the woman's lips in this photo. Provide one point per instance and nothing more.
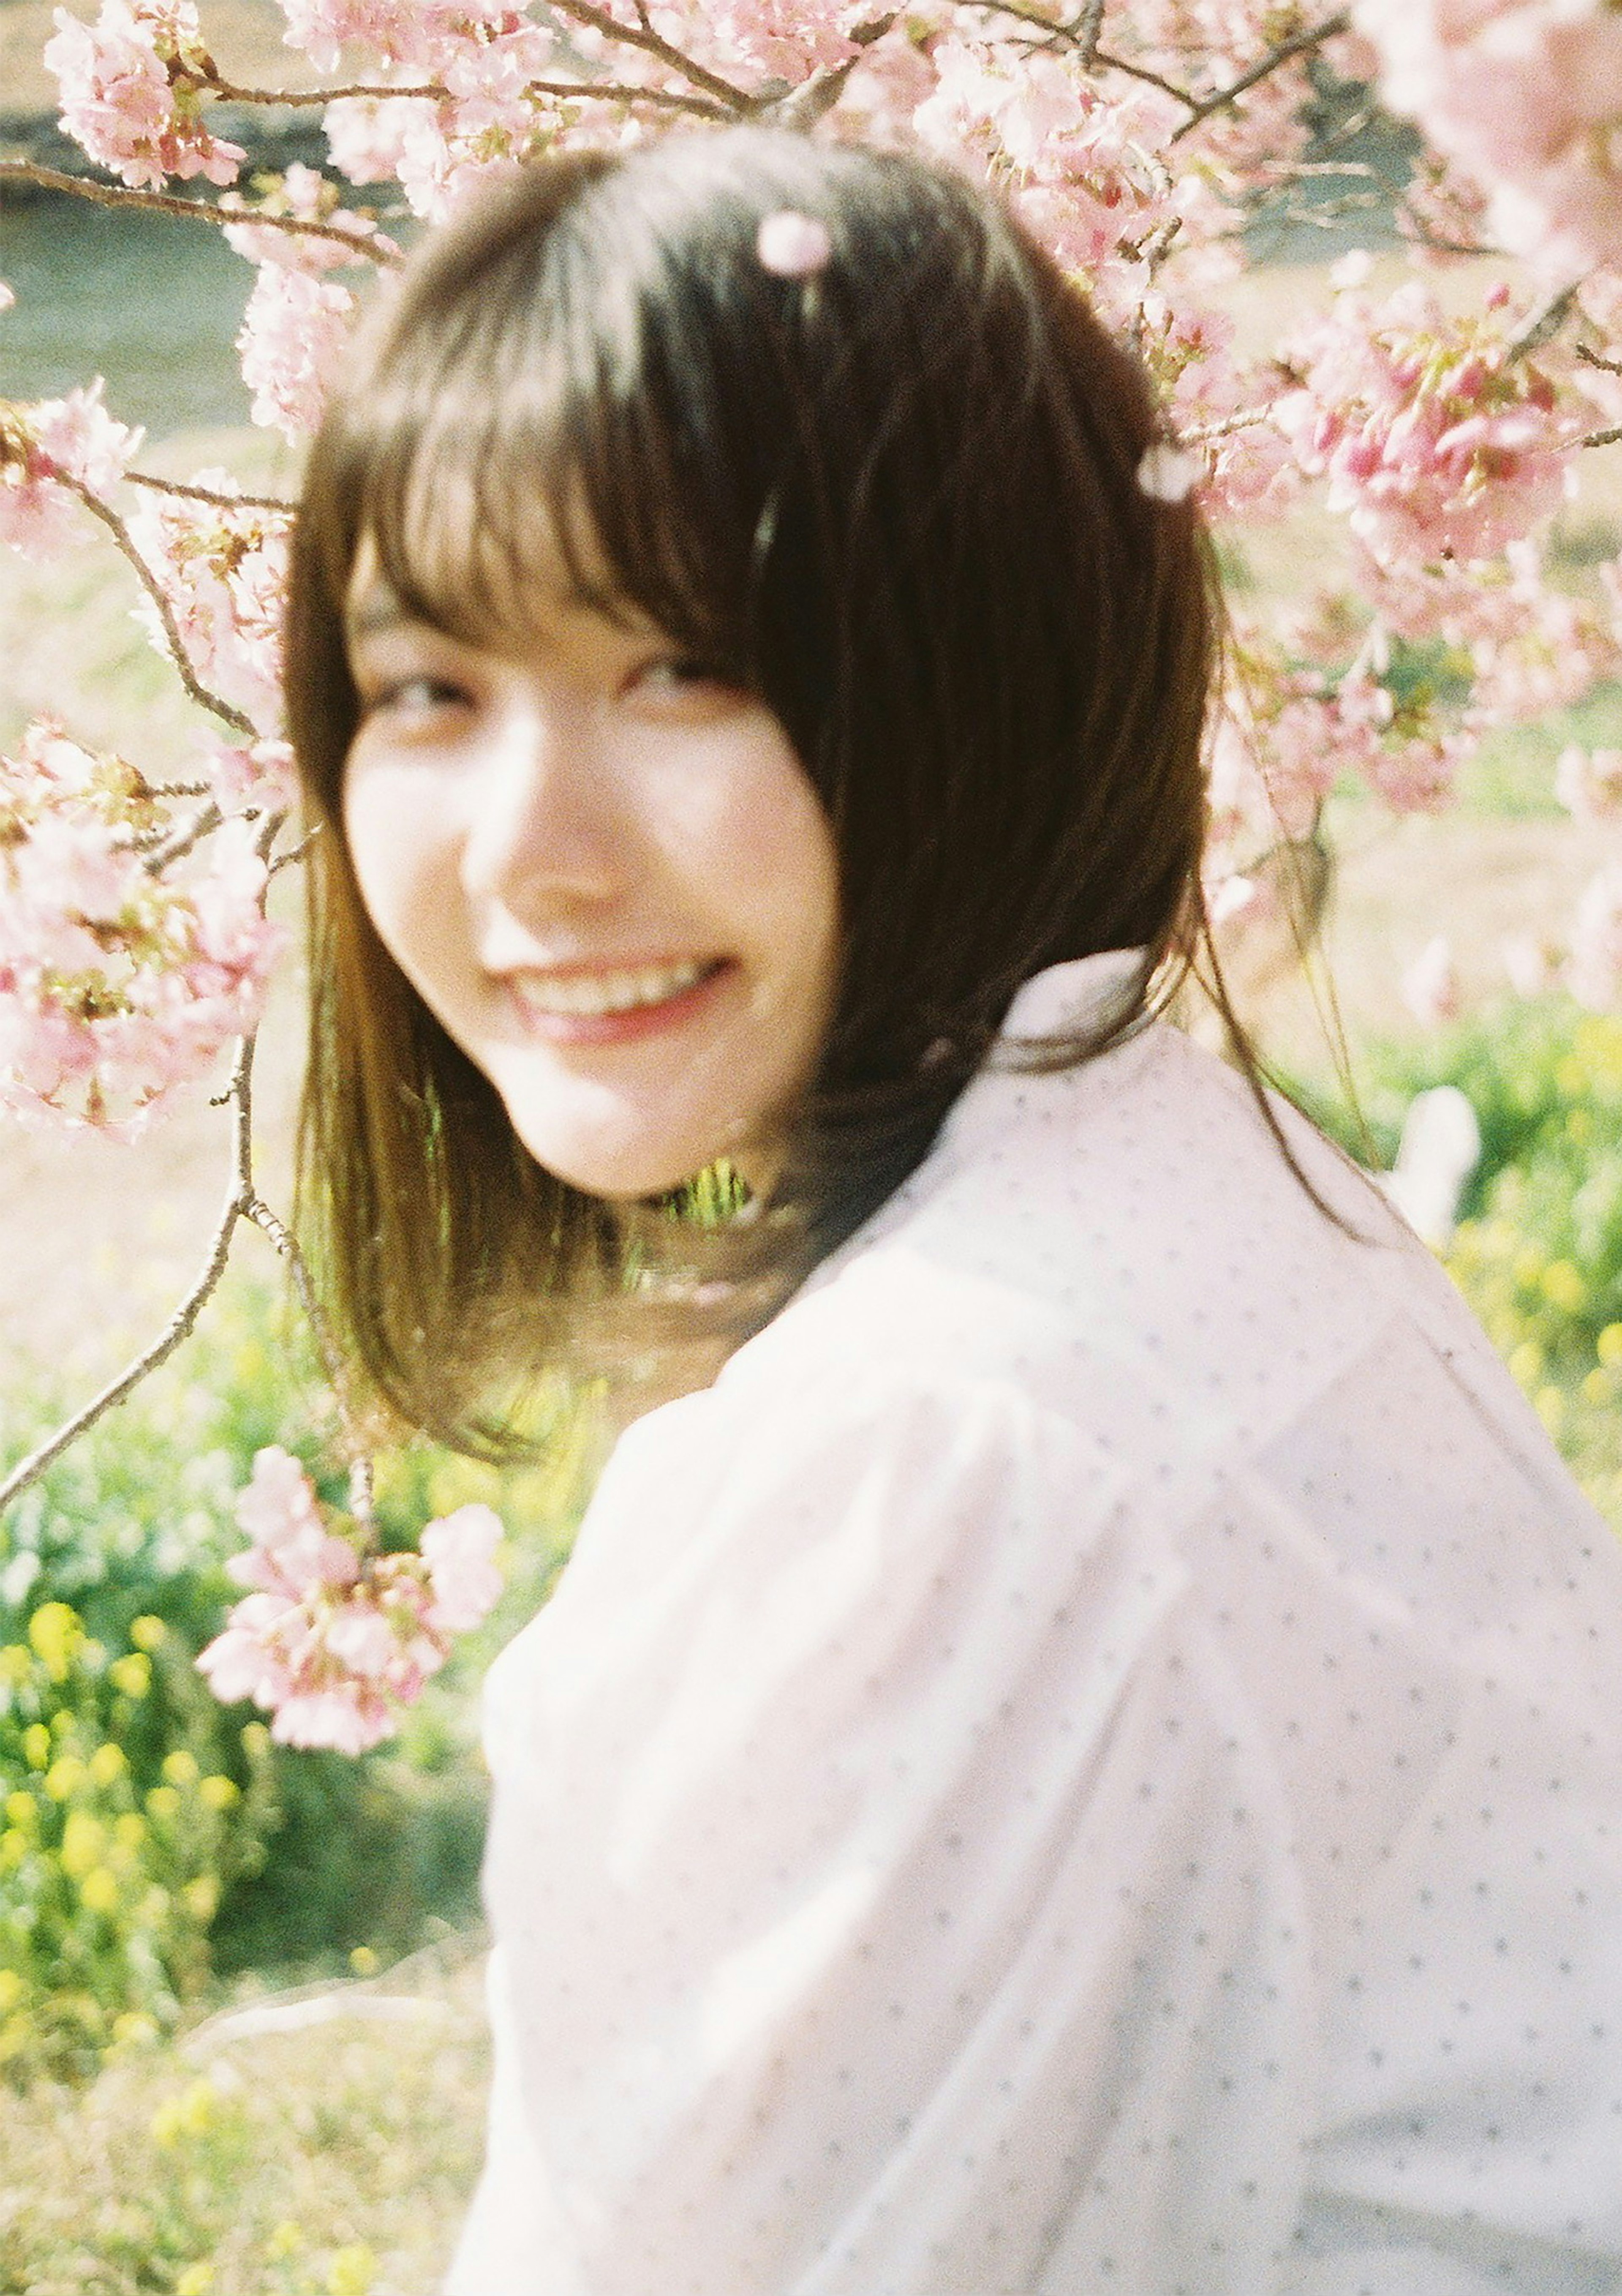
(532, 995)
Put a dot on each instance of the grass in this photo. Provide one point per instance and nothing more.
(335, 2159)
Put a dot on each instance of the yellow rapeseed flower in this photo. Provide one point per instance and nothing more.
(21, 1808)
(100, 1889)
(351, 2272)
(55, 1633)
(130, 1828)
(189, 2114)
(1550, 1406)
(84, 1839)
(16, 1663)
(146, 1633)
(131, 1675)
(1526, 1362)
(37, 1747)
(132, 2028)
(180, 1768)
(1563, 1285)
(64, 1777)
(218, 1792)
(1608, 1346)
(14, 1847)
(363, 1961)
(196, 2280)
(11, 1990)
(286, 2240)
(201, 1897)
(107, 1763)
(1599, 1386)
(163, 1803)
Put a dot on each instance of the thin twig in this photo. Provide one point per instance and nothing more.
(228, 92)
(1546, 322)
(1602, 437)
(181, 1323)
(652, 43)
(225, 710)
(1299, 45)
(294, 853)
(206, 818)
(816, 96)
(1597, 358)
(1083, 36)
(215, 495)
(124, 195)
(667, 99)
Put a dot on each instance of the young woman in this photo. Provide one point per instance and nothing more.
(1081, 1754)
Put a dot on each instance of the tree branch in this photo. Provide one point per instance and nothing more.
(1300, 44)
(180, 1325)
(666, 98)
(124, 195)
(225, 710)
(221, 501)
(736, 100)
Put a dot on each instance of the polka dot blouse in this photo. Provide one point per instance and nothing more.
(1088, 1762)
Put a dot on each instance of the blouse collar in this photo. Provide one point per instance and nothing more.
(1071, 995)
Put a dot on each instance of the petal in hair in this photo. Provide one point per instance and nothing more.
(793, 245)
(1169, 473)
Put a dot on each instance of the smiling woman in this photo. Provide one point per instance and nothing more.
(1082, 1754)
(658, 603)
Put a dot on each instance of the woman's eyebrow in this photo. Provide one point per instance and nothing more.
(376, 611)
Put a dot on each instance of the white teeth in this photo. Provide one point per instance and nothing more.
(605, 992)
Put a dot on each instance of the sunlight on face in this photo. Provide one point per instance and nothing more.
(604, 871)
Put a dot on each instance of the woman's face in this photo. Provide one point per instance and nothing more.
(604, 871)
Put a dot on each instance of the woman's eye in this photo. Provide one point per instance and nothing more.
(414, 697)
(680, 676)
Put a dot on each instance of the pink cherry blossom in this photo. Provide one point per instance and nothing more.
(1434, 442)
(292, 337)
(120, 981)
(304, 193)
(73, 439)
(1527, 95)
(130, 92)
(793, 245)
(259, 776)
(222, 570)
(337, 1639)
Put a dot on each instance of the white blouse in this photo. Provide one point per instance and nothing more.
(1088, 1763)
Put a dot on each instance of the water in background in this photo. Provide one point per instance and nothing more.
(152, 303)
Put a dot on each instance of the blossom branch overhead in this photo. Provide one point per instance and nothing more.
(1140, 145)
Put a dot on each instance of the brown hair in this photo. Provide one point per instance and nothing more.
(897, 500)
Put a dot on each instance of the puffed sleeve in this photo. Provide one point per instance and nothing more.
(891, 1892)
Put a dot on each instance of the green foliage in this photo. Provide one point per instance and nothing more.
(1538, 1253)
(117, 1838)
(316, 1852)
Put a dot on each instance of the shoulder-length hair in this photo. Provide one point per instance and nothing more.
(898, 499)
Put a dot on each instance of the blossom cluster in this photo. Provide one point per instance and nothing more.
(222, 568)
(51, 449)
(1527, 96)
(1436, 444)
(336, 1639)
(132, 86)
(123, 972)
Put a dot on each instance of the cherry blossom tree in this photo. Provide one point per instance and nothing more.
(1141, 144)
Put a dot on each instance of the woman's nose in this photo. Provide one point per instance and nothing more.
(540, 826)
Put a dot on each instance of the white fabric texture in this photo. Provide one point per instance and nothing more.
(1087, 1763)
